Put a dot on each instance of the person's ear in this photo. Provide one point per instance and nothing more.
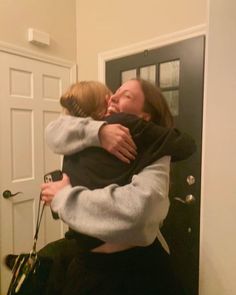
(107, 97)
(145, 116)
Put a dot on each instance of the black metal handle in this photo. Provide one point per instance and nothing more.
(7, 194)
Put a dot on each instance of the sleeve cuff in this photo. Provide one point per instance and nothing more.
(60, 199)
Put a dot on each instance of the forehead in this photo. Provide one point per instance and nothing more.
(132, 86)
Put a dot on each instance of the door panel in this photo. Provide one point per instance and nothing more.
(178, 70)
(29, 95)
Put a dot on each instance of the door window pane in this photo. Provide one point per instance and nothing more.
(169, 74)
(127, 75)
(172, 98)
(148, 73)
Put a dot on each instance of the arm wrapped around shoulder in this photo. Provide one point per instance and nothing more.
(68, 135)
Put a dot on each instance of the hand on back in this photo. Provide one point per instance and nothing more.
(116, 139)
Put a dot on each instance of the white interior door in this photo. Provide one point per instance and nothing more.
(29, 100)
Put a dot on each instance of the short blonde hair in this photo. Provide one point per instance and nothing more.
(86, 99)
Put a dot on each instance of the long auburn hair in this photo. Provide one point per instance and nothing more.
(155, 104)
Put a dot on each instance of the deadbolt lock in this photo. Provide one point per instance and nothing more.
(190, 180)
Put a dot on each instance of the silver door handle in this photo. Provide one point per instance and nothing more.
(189, 200)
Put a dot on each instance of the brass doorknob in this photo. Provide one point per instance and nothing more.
(189, 200)
(7, 194)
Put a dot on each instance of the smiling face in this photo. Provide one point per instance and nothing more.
(129, 98)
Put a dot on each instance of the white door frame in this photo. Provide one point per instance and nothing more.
(157, 42)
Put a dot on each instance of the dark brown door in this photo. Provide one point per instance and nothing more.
(178, 69)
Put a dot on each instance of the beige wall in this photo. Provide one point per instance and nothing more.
(56, 17)
(218, 240)
(104, 25)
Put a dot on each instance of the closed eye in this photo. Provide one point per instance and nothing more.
(128, 95)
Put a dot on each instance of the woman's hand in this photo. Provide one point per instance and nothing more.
(50, 189)
(116, 139)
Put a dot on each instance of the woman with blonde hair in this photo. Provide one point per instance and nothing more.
(86, 99)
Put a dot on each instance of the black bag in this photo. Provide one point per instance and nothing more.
(30, 274)
(26, 266)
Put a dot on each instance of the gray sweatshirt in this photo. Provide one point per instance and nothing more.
(130, 214)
